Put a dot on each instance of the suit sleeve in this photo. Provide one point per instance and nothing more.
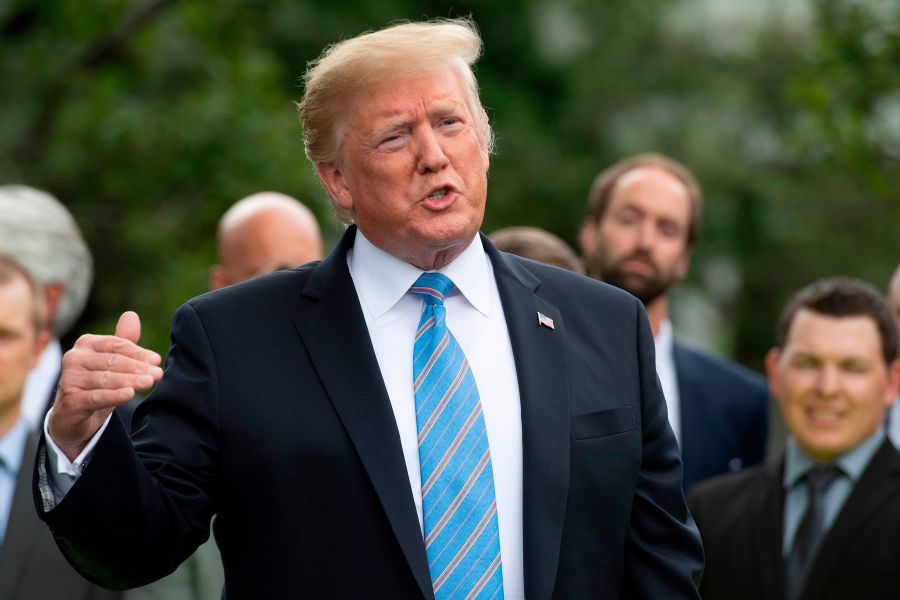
(664, 556)
(144, 503)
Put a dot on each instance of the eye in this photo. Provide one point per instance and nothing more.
(805, 361)
(391, 141)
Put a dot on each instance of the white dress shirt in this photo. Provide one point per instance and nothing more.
(476, 319)
(12, 449)
(668, 377)
(40, 384)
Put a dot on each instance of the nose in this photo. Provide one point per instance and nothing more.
(829, 381)
(431, 157)
(647, 234)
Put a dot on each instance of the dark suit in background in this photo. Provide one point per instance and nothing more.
(273, 414)
(724, 414)
(740, 517)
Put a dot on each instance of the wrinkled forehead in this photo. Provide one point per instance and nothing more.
(397, 93)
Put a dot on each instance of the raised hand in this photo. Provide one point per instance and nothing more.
(99, 373)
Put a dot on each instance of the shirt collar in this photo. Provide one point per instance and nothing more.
(381, 279)
(12, 446)
(665, 340)
(851, 464)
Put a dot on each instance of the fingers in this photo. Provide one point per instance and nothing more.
(78, 360)
(129, 326)
(104, 381)
(109, 344)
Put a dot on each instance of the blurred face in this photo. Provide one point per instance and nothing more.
(640, 243)
(267, 241)
(20, 344)
(413, 171)
(832, 382)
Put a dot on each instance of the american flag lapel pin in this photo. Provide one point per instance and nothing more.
(545, 321)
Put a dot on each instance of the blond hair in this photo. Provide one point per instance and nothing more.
(348, 69)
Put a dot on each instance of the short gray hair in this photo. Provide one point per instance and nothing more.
(40, 235)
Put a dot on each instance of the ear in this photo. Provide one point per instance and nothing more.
(587, 237)
(893, 387)
(53, 294)
(334, 181)
(41, 341)
(771, 362)
(217, 279)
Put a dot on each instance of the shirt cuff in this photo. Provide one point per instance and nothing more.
(61, 478)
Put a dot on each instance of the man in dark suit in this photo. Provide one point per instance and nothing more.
(30, 564)
(823, 523)
(317, 410)
(643, 220)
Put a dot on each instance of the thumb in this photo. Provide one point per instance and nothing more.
(129, 326)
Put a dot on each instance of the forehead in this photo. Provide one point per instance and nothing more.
(408, 96)
(652, 189)
(824, 335)
(16, 301)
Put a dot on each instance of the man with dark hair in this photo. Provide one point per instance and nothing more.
(823, 522)
(643, 221)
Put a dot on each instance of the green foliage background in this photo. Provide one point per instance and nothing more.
(149, 118)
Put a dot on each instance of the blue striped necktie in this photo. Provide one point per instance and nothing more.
(458, 504)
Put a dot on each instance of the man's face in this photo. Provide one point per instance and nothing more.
(413, 171)
(640, 242)
(19, 344)
(832, 382)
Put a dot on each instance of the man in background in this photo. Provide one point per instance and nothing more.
(38, 233)
(643, 221)
(259, 234)
(30, 563)
(262, 233)
(823, 523)
(537, 244)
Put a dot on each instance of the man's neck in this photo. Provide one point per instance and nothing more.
(657, 312)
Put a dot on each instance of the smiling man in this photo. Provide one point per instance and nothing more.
(824, 522)
(416, 416)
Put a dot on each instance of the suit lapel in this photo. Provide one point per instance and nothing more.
(334, 331)
(544, 394)
(690, 395)
(766, 542)
(22, 528)
(879, 483)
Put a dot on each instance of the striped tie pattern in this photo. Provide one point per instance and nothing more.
(459, 507)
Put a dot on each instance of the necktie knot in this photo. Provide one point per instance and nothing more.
(432, 287)
(820, 478)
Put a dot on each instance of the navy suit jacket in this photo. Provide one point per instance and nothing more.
(741, 518)
(273, 414)
(724, 414)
